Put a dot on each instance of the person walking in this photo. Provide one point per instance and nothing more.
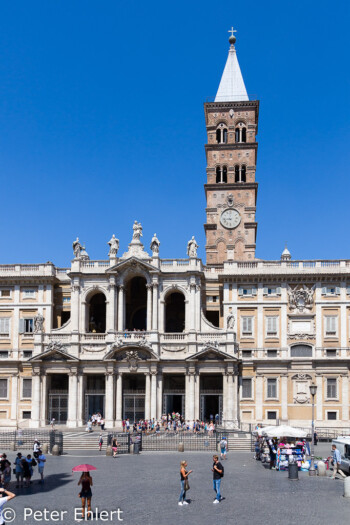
(100, 442)
(85, 494)
(19, 470)
(218, 474)
(223, 447)
(36, 449)
(184, 482)
(41, 465)
(115, 447)
(6, 475)
(6, 496)
(26, 471)
(337, 463)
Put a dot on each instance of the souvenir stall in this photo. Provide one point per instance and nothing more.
(290, 448)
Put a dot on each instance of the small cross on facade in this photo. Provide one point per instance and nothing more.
(232, 31)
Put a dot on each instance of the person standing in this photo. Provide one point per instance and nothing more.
(184, 482)
(6, 496)
(223, 447)
(218, 474)
(19, 470)
(41, 465)
(337, 463)
(85, 494)
(272, 449)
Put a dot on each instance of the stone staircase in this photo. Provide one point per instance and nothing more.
(83, 440)
(239, 442)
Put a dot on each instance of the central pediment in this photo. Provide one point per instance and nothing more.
(134, 263)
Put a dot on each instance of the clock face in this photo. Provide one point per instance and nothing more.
(230, 218)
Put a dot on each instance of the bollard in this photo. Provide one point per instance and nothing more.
(321, 468)
(13, 445)
(293, 473)
(219, 448)
(45, 448)
(347, 487)
(131, 448)
(55, 450)
(181, 447)
(109, 451)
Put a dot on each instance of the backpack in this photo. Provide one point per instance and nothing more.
(34, 463)
(223, 471)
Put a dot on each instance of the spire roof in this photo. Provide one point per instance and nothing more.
(232, 88)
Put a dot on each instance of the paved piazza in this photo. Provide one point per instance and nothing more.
(146, 489)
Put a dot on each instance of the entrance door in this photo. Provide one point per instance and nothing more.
(133, 407)
(174, 403)
(94, 404)
(58, 408)
(211, 405)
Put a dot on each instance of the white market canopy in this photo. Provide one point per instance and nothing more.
(283, 431)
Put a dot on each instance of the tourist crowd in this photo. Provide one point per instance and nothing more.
(23, 468)
(171, 423)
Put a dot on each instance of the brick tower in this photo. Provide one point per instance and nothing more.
(231, 152)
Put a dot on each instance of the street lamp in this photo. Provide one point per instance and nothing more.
(313, 389)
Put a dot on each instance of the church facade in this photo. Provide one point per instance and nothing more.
(137, 336)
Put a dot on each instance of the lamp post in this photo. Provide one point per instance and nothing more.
(313, 389)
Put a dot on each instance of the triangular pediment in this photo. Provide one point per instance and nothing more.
(122, 350)
(54, 355)
(211, 354)
(130, 263)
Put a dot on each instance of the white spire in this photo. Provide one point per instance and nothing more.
(232, 88)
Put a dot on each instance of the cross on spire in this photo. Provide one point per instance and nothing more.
(232, 31)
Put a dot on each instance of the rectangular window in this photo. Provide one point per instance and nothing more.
(246, 354)
(301, 351)
(331, 416)
(247, 291)
(28, 325)
(3, 388)
(271, 414)
(331, 353)
(271, 326)
(247, 326)
(272, 290)
(27, 388)
(29, 293)
(272, 388)
(272, 353)
(27, 354)
(66, 299)
(26, 414)
(331, 290)
(5, 292)
(331, 322)
(4, 326)
(4, 354)
(247, 388)
(331, 388)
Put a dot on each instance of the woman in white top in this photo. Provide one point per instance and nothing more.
(6, 496)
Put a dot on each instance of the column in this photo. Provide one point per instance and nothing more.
(149, 307)
(155, 307)
(34, 422)
(224, 397)
(121, 308)
(14, 396)
(109, 399)
(110, 320)
(259, 386)
(159, 396)
(43, 415)
(154, 394)
(345, 399)
(229, 379)
(193, 306)
(80, 404)
(190, 392)
(148, 396)
(284, 398)
(319, 398)
(72, 398)
(75, 308)
(119, 400)
(196, 396)
(235, 398)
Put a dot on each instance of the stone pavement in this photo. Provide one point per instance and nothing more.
(146, 488)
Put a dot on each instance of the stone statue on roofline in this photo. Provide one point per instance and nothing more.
(137, 231)
(77, 247)
(113, 246)
(155, 245)
(38, 323)
(192, 247)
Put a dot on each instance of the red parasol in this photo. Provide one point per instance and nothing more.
(83, 468)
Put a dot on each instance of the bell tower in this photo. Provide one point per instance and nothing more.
(231, 153)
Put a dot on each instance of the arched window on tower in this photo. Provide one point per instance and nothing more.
(221, 174)
(241, 132)
(240, 173)
(221, 134)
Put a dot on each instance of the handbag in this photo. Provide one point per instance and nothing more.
(14, 471)
(187, 485)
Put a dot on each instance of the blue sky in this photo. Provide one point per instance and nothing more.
(102, 123)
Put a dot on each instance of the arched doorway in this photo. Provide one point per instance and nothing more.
(97, 313)
(175, 312)
(136, 304)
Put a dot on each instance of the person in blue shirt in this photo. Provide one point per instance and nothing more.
(337, 463)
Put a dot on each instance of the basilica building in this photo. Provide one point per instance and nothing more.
(136, 336)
